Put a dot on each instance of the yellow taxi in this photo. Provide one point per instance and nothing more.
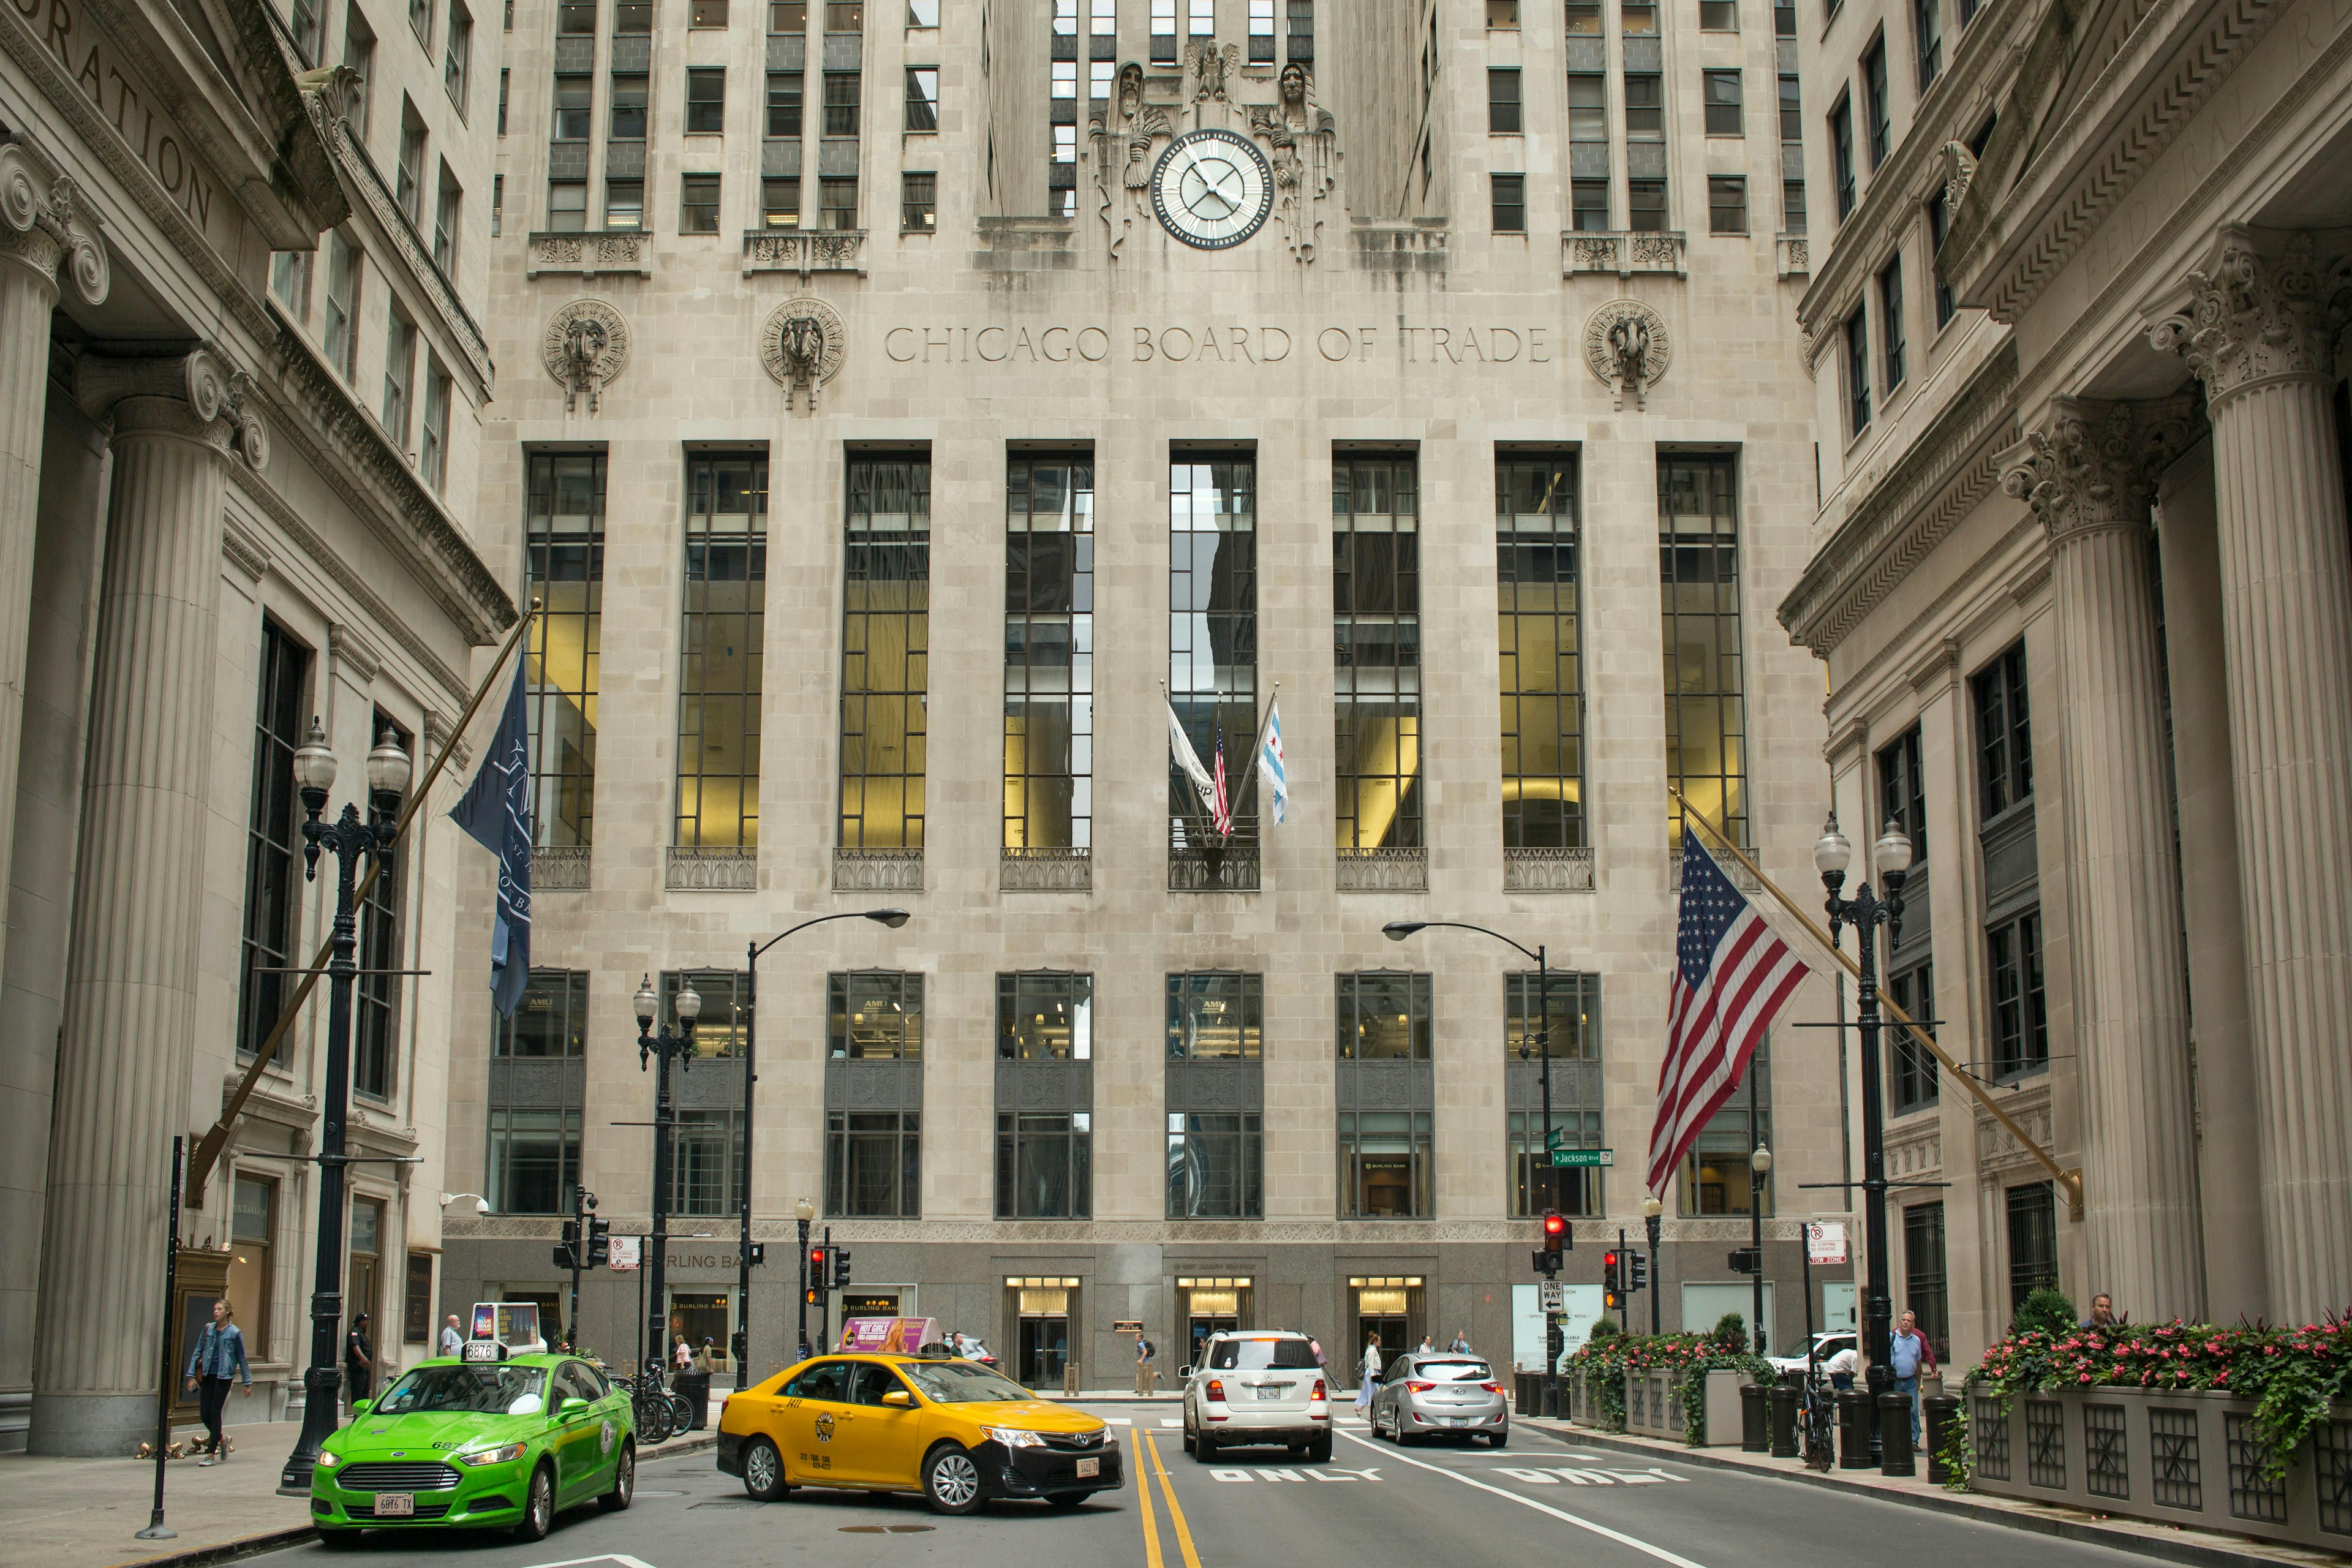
(950, 1429)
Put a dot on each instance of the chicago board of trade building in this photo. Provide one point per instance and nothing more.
(907, 407)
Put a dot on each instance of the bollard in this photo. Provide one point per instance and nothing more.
(1895, 1434)
(1941, 1414)
(1752, 1419)
(1854, 1429)
(1785, 1399)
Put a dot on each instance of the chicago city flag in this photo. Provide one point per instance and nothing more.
(1732, 978)
(496, 813)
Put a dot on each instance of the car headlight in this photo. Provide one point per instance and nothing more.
(505, 1454)
(1013, 1436)
(327, 1461)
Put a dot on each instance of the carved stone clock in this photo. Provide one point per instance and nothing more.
(1212, 189)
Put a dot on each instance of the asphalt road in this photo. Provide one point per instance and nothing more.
(1522, 1507)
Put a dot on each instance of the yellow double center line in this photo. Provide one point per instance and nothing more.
(1175, 1512)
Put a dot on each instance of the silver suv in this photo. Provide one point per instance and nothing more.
(1256, 1388)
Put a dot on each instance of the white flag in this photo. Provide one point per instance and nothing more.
(1271, 763)
(1180, 747)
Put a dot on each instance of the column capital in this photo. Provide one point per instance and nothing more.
(196, 396)
(2091, 465)
(2261, 307)
(44, 223)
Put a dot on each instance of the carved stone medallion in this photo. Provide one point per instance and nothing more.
(1628, 348)
(802, 346)
(585, 349)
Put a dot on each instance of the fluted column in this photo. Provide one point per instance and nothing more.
(2089, 472)
(128, 1042)
(41, 228)
(2258, 332)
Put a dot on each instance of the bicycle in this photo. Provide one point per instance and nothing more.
(1819, 1416)
(652, 1405)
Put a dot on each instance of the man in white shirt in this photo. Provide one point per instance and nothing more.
(1841, 1368)
(452, 1341)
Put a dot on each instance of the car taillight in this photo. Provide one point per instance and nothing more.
(1216, 1390)
(1420, 1387)
(1320, 1393)
(1489, 1388)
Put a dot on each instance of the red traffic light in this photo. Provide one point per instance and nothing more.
(1554, 1225)
(1609, 1263)
(816, 1259)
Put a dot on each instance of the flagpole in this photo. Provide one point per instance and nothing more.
(1273, 692)
(2071, 1180)
(209, 1149)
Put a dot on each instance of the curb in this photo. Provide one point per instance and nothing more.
(278, 1539)
(2201, 1553)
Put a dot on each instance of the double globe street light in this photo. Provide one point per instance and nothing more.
(667, 1045)
(352, 841)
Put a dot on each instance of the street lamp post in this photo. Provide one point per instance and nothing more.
(1650, 1211)
(804, 1210)
(741, 1346)
(1867, 911)
(1759, 1165)
(352, 841)
(666, 1044)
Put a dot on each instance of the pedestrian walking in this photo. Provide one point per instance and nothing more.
(1428, 1346)
(706, 1358)
(1909, 1354)
(359, 1359)
(218, 1361)
(1460, 1346)
(453, 1342)
(1368, 1376)
(681, 1354)
(1145, 1372)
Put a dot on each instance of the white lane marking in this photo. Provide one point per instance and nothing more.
(1324, 1473)
(1660, 1553)
(1118, 1421)
(1172, 1421)
(626, 1562)
(1554, 1475)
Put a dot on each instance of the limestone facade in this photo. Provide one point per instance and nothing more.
(2111, 471)
(240, 296)
(1395, 301)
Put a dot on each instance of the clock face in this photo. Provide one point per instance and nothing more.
(1211, 188)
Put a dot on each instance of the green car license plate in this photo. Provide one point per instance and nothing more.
(395, 1505)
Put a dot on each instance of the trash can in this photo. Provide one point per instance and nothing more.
(693, 1387)
(1938, 1414)
(1753, 1417)
(1785, 1399)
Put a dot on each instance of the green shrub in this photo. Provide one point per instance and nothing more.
(1602, 1327)
(1731, 1332)
(2047, 1308)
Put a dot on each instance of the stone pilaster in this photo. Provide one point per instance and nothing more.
(2089, 472)
(2259, 332)
(128, 1042)
(41, 228)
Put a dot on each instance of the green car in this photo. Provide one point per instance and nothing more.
(488, 1441)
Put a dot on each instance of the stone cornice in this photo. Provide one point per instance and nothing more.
(355, 457)
(1946, 471)
(1953, 108)
(2006, 245)
(347, 645)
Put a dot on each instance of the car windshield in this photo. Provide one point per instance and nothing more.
(1455, 1370)
(484, 1389)
(961, 1382)
(1260, 1354)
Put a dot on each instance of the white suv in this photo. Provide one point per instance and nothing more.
(1257, 1388)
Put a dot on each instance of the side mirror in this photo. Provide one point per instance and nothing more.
(1185, 1371)
(361, 1407)
(898, 1399)
(570, 1407)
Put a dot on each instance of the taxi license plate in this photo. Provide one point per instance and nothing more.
(395, 1505)
(1276, 1392)
(1089, 1467)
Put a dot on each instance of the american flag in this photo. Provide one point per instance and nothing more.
(1221, 809)
(1732, 978)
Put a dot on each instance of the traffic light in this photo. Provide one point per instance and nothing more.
(600, 1242)
(841, 1268)
(1613, 1294)
(1746, 1260)
(1637, 1272)
(1555, 1237)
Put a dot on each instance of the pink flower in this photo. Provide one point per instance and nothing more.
(2084, 1378)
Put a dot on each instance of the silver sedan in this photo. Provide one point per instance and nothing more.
(1440, 1396)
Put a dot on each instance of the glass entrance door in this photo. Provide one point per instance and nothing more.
(1045, 1351)
(1212, 1304)
(1040, 1310)
(1391, 1307)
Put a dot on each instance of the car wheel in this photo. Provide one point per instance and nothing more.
(763, 1471)
(624, 1480)
(1318, 1452)
(1396, 1428)
(951, 1480)
(1499, 1439)
(339, 1540)
(1188, 1439)
(537, 1507)
(1068, 1500)
(1204, 1449)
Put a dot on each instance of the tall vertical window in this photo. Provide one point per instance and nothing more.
(399, 375)
(1793, 205)
(534, 1160)
(2004, 735)
(1261, 32)
(1211, 626)
(1645, 107)
(885, 650)
(1890, 317)
(1874, 99)
(1508, 206)
(1163, 32)
(1725, 105)
(1940, 224)
(780, 202)
(1541, 648)
(1590, 200)
(706, 1161)
(785, 89)
(873, 1158)
(458, 58)
(1911, 1081)
(1926, 1295)
(506, 87)
(1784, 19)
(1903, 792)
(1384, 1015)
(408, 175)
(1588, 107)
(339, 333)
(625, 205)
(918, 201)
(1857, 370)
(837, 203)
(551, 1023)
(447, 208)
(420, 21)
(721, 644)
(433, 442)
(1385, 1169)
(572, 93)
(290, 281)
(1299, 44)
(841, 104)
(272, 840)
(376, 997)
(1928, 38)
(1727, 203)
(1503, 101)
(1216, 1166)
(1706, 714)
(359, 53)
(698, 203)
(1062, 168)
(1718, 1178)
(706, 100)
(1842, 154)
(2032, 1241)
(2020, 1015)
(567, 205)
(1376, 633)
(1049, 641)
(1568, 1030)
(1792, 119)
(1202, 22)
(625, 118)
(302, 22)
(1216, 1152)
(563, 551)
(253, 1228)
(1044, 1144)
(922, 98)
(1044, 1164)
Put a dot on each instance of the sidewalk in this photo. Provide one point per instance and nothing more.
(86, 1514)
(2171, 1543)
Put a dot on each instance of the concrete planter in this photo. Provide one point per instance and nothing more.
(2187, 1458)
(1653, 1407)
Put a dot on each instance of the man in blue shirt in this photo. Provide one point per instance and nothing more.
(1908, 1354)
(218, 1358)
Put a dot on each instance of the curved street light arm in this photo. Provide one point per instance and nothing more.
(1464, 925)
(880, 915)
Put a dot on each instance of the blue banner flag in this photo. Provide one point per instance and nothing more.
(496, 813)
(1271, 764)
